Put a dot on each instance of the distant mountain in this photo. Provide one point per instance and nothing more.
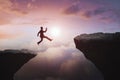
(11, 61)
(103, 50)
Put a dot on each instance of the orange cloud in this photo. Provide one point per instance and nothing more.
(4, 4)
(4, 21)
(4, 35)
(9, 10)
(9, 7)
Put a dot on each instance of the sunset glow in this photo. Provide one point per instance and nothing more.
(48, 28)
(64, 19)
(55, 32)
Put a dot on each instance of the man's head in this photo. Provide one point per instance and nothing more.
(41, 27)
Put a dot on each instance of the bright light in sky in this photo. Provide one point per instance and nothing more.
(55, 31)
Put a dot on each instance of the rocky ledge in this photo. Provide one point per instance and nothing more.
(11, 61)
(103, 50)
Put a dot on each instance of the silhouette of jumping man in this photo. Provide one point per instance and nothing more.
(41, 32)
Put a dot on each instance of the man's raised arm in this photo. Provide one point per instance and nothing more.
(45, 30)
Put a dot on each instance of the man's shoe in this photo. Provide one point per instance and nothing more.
(37, 43)
(50, 39)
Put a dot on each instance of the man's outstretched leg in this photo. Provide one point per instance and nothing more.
(40, 41)
(48, 38)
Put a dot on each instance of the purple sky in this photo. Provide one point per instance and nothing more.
(20, 20)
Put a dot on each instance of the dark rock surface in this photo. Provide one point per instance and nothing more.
(103, 50)
(11, 61)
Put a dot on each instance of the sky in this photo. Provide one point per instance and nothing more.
(20, 20)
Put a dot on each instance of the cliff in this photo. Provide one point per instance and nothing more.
(103, 50)
(11, 61)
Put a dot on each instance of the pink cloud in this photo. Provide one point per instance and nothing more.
(4, 21)
(7, 35)
(95, 9)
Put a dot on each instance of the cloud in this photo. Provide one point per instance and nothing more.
(4, 21)
(73, 9)
(99, 13)
(96, 12)
(6, 35)
(5, 4)
(9, 10)
(17, 12)
(94, 9)
(59, 64)
(107, 20)
(9, 7)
